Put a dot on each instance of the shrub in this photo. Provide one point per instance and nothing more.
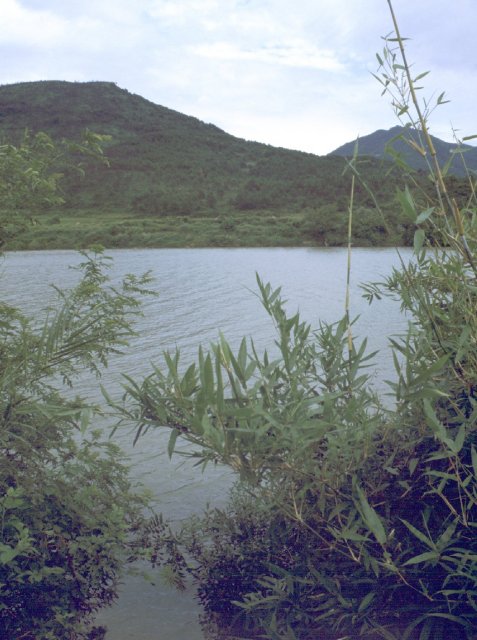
(376, 504)
(68, 509)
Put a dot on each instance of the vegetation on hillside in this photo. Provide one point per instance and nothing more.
(172, 180)
(457, 159)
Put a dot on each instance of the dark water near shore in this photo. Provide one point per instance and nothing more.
(202, 291)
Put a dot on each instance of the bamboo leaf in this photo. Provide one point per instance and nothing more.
(428, 556)
(418, 534)
(440, 99)
(422, 217)
(172, 442)
(421, 75)
(366, 601)
(474, 460)
(371, 518)
(419, 238)
(447, 535)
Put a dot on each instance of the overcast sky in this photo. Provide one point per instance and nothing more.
(295, 74)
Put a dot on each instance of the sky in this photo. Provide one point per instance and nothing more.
(290, 73)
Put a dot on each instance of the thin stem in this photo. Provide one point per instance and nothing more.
(442, 192)
(348, 271)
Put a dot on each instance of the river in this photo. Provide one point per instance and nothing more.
(202, 292)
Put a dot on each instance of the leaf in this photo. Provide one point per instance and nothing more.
(434, 422)
(8, 554)
(172, 442)
(463, 344)
(418, 534)
(423, 557)
(421, 75)
(474, 460)
(85, 419)
(371, 518)
(419, 238)
(366, 601)
(440, 99)
(407, 202)
(422, 217)
(445, 538)
(412, 465)
(472, 137)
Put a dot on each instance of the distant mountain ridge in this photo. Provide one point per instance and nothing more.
(176, 181)
(374, 145)
(164, 162)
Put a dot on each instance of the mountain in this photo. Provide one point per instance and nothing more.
(176, 181)
(165, 162)
(375, 144)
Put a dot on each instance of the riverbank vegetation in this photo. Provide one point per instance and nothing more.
(352, 516)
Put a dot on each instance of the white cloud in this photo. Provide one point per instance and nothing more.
(270, 63)
(30, 27)
(290, 54)
(181, 11)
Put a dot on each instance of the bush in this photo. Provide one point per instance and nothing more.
(375, 504)
(68, 509)
(383, 501)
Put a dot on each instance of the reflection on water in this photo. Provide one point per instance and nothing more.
(202, 291)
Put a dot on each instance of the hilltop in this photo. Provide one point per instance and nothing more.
(376, 145)
(176, 181)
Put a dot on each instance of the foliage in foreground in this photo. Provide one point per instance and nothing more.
(67, 506)
(351, 514)
(365, 515)
(31, 173)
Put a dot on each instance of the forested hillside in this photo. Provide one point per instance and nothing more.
(173, 180)
(392, 144)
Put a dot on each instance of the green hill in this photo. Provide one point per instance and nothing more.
(176, 181)
(375, 145)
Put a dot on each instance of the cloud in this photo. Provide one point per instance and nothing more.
(273, 64)
(291, 54)
(38, 28)
(182, 11)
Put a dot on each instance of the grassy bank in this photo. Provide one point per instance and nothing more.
(81, 229)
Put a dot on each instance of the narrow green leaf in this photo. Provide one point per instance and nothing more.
(459, 439)
(433, 421)
(447, 535)
(366, 601)
(407, 203)
(172, 442)
(371, 518)
(412, 465)
(421, 75)
(422, 217)
(242, 355)
(419, 238)
(423, 557)
(474, 460)
(463, 344)
(418, 534)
